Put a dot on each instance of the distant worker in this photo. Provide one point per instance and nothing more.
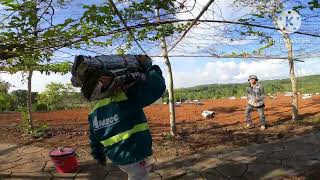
(255, 96)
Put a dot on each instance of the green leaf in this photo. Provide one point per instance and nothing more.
(297, 8)
(258, 15)
(6, 1)
(314, 4)
(68, 21)
(86, 6)
(120, 51)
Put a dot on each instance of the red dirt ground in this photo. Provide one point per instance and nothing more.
(228, 112)
(69, 127)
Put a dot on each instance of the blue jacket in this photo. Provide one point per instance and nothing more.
(118, 126)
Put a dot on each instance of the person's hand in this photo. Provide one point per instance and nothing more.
(105, 80)
(144, 61)
(256, 100)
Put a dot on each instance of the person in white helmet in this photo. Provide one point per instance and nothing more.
(255, 96)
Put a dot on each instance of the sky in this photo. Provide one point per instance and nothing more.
(197, 72)
(190, 72)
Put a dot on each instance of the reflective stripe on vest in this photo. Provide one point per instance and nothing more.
(121, 96)
(124, 135)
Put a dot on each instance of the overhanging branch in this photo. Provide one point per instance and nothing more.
(64, 43)
(192, 24)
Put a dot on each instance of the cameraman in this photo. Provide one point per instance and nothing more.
(118, 126)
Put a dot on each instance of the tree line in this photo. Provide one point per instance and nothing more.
(307, 84)
(56, 96)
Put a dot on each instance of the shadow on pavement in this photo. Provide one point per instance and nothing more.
(278, 160)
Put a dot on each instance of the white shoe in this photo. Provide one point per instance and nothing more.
(263, 127)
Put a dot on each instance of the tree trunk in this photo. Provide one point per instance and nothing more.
(173, 129)
(30, 71)
(29, 101)
(286, 37)
(293, 79)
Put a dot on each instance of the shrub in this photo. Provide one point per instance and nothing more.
(41, 107)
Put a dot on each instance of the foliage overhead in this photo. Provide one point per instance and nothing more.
(265, 13)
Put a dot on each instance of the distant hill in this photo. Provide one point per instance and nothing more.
(306, 84)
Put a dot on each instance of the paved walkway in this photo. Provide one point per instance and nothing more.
(291, 159)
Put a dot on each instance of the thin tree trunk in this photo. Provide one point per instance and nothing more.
(286, 37)
(29, 101)
(30, 71)
(293, 79)
(173, 129)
